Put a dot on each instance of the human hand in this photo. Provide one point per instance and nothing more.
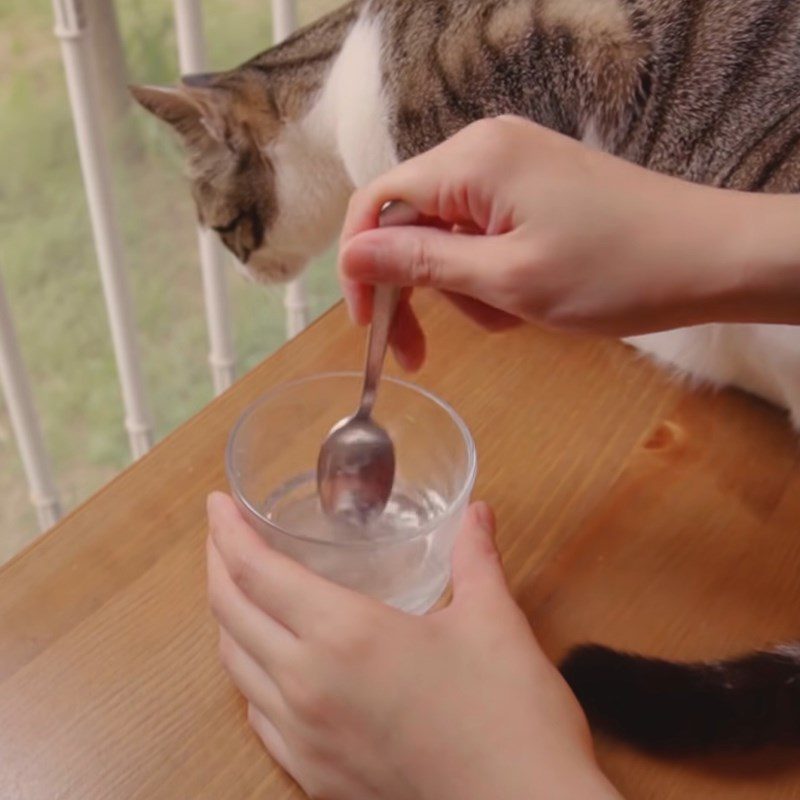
(358, 701)
(521, 223)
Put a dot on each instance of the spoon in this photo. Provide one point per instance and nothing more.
(356, 465)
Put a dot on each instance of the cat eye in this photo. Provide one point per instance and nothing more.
(228, 227)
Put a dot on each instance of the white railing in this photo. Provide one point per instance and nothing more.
(71, 30)
(25, 421)
(221, 357)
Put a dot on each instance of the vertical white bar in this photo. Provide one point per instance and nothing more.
(25, 421)
(70, 28)
(295, 302)
(222, 358)
(284, 19)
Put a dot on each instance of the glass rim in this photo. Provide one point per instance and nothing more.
(282, 388)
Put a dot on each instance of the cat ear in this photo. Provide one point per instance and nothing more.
(191, 111)
(199, 80)
(172, 106)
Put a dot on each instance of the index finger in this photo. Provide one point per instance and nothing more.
(406, 182)
(430, 183)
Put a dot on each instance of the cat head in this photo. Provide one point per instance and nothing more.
(248, 176)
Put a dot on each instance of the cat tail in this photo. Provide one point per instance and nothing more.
(690, 708)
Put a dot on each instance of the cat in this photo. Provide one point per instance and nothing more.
(707, 90)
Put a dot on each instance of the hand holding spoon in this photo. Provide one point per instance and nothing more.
(356, 465)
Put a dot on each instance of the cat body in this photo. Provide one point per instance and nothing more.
(706, 90)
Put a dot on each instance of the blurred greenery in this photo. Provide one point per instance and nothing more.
(47, 258)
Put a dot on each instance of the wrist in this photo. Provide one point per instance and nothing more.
(718, 255)
(755, 259)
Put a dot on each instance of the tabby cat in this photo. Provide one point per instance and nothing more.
(708, 90)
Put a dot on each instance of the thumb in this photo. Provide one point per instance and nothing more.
(477, 569)
(422, 256)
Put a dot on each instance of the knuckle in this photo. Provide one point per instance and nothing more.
(356, 644)
(493, 133)
(513, 123)
(484, 130)
(361, 639)
(335, 642)
(426, 268)
(242, 572)
(311, 703)
(493, 142)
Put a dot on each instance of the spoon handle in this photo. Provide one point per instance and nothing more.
(385, 303)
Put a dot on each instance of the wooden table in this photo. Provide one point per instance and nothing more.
(633, 513)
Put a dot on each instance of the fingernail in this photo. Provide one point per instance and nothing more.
(484, 516)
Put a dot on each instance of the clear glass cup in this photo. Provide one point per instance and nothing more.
(404, 557)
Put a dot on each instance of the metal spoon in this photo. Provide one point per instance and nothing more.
(356, 465)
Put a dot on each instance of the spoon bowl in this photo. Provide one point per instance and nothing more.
(358, 458)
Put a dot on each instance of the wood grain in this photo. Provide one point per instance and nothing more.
(633, 513)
